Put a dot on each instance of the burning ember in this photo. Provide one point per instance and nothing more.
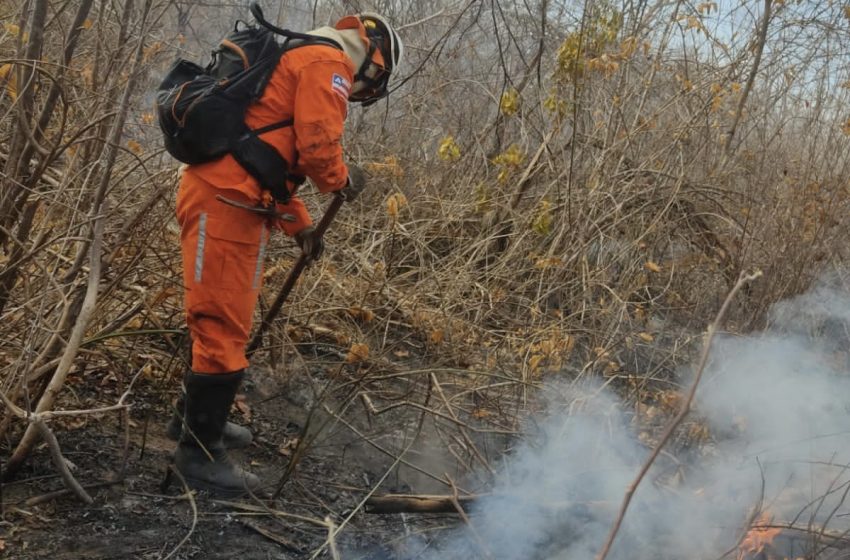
(758, 538)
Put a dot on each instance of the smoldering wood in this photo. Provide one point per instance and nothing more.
(429, 503)
(402, 503)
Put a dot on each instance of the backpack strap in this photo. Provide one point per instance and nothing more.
(304, 40)
(257, 12)
(273, 126)
(293, 43)
(259, 158)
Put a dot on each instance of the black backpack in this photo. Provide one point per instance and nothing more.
(201, 111)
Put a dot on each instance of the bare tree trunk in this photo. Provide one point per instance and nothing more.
(31, 180)
(97, 217)
(16, 165)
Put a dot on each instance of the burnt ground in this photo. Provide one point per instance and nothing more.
(353, 451)
(134, 517)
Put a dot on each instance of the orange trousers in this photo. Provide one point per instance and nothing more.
(223, 249)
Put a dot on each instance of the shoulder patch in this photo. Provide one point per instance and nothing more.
(341, 86)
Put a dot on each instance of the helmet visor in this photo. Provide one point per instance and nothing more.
(372, 86)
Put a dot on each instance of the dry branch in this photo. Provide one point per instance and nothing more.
(272, 536)
(46, 402)
(403, 503)
(446, 503)
(59, 461)
(97, 216)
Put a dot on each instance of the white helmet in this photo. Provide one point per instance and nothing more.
(374, 74)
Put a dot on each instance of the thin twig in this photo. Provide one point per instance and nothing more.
(462, 513)
(50, 496)
(274, 537)
(264, 509)
(189, 496)
(754, 513)
(331, 541)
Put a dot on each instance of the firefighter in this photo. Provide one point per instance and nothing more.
(223, 245)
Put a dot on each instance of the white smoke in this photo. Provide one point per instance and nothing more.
(777, 405)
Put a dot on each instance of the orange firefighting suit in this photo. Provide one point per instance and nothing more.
(223, 246)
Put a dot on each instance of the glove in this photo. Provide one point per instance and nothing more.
(311, 243)
(356, 182)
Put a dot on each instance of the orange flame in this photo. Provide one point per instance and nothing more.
(758, 537)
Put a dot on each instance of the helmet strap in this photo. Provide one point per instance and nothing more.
(367, 63)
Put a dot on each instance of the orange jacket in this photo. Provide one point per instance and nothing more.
(310, 85)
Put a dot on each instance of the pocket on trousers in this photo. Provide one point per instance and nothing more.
(232, 254)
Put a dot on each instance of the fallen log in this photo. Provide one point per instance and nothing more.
(411, 503)
(426, 503)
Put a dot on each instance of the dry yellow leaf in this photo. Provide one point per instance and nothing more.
(87, 73)
(569, 343)
(670, 400)
(510, 102)
(152, 50)
(8, 76)
(87, 24)
(448, 150)
(241, 404)
(361, 313)
(707, 7)
(134, 146)
(652, 266)
(699, 432)
(437, 336)
(288, 446)
(534, 362)
(357, 353)
(646, 337)
(388, 167)
(546, 346)
(162, 296)
(548, 262)
(395, 202)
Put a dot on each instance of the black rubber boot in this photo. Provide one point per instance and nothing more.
(201, 456)
(233, 437)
